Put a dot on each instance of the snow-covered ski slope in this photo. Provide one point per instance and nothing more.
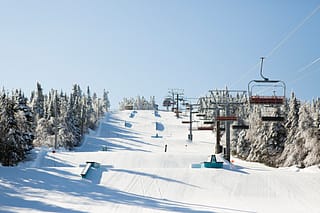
(137, 175)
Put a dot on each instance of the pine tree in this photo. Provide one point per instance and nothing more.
(292, 129)
(12, 143)
(105, 100)
(37, 102)
(276, 137)
(43, 132)
(310, 153)
(25, 119)
(90, 120)
(74, 114)
(98, 107)
(248, 141)
(22, 126)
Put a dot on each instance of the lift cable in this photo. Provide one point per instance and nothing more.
(302, 72)
(294, 31)
(290, 34)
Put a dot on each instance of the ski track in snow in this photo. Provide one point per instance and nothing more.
(136, 175)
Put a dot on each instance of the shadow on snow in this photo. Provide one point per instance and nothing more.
(32, 183)
(113, 136)
(153, 176)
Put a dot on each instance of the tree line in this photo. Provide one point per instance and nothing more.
(138, 103)
(55, 119)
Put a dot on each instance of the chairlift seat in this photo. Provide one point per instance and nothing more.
(128, 107)
(240, 126)
(266, 82)
(267, 100)
(272, 118)
(205, 128)
(226, 118)
(208, 122)
(200, 115)
(186, 122)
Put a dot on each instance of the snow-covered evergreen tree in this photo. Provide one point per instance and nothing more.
(46, 126)
(263, 142)
(12, 144)
(292, 128)
(74, 113)
(25, 119)
(43, 131)
(138, 103)
(106, 101)
(256, 136)
(308, 148)
(98, 106)
(88, 109)
(47, 116)
(37, 102)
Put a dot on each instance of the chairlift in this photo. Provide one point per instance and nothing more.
(266, 83)
(272, 100)
(200, 115)
(239, 127)
(208, 122)
(272, 114)
(128, 107)
(226, 118)
(167, 102)
(205, 128)
(186, 122)
(272, 118)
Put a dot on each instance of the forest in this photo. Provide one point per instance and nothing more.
(55, 120)
(279, 134)
(138, 103)
(293, 141)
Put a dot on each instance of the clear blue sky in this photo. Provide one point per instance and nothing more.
(145, 47)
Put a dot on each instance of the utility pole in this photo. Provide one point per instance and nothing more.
(190, 106)
(55, 121)
(218, 136)
(218, 146)
(227, 154)
(224, 100)
(178, 95)
(190, 127)
(177, 108)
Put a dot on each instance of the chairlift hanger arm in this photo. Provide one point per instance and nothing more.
(261, 74)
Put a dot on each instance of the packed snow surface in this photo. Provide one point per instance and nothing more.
(137, 175)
